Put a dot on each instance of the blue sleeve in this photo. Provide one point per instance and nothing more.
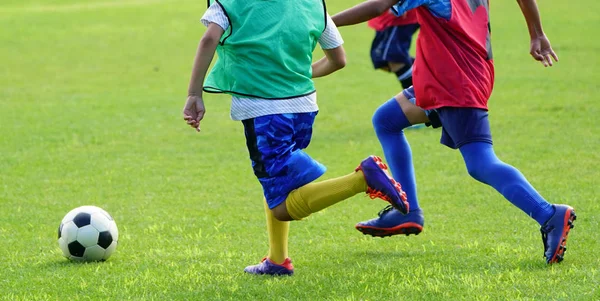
(439, 8)
(405, 5)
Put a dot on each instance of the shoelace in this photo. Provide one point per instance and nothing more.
(386, 209)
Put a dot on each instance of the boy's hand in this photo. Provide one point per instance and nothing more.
(194, 111)
(541, 50)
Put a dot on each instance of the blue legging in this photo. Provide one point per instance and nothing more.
(482, 164)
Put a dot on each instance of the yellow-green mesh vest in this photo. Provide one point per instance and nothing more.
(267, 50)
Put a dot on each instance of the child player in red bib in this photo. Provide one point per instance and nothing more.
(453, 77)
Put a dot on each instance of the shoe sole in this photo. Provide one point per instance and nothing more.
(405, 229)
(269, 274)
(384, 168)
(570, 217)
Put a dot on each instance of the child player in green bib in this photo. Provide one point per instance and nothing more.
(265, 63)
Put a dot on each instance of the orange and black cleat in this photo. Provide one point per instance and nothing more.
(381, 185)
(555, 232)
(391, 222)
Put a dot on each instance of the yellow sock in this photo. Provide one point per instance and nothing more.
(314, 197)
(278, 237)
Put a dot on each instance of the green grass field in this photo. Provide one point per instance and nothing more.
(90, 113)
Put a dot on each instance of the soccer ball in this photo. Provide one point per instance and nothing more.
(88, 233)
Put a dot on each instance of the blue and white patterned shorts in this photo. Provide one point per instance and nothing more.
(276, 143)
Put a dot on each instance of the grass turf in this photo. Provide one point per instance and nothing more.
(90, 98)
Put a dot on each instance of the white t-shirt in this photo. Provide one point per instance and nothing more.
(246, 108)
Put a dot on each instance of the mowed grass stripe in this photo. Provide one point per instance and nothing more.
(77, 7)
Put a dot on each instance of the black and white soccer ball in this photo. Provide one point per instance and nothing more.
(88, 233)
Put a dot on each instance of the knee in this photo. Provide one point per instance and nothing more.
(281, 217)
(480, 160)
(476, 171)
(280, 213)
(383, 121)
(378, 120)
(477, 168)
(486, 172)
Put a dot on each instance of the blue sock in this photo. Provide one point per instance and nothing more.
(484, 166)
(389, 122)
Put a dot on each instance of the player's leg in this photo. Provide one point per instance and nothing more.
(398, 53)
(299, 204)
(556, 220)
(468, 130)
(370, 177)
(299, 199)
(285, 170)
(389, 122)
(313, 197)
(316, 196)
(277, 261)
(278, 237)
(378, 49)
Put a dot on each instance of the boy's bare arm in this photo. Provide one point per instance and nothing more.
(335, 59)
(540, 48)
(204, 55)
(363, 12)
(194, 110)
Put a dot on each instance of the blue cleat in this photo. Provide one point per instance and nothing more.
(267, 267)
(381, 185)
(391, 222)
(555, 232)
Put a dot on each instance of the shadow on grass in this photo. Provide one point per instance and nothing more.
(449, 258)
(531, 264)
(379, 255)
(66, 263)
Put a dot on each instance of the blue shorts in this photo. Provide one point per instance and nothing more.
(276, 143)
(460, 126)
(392, 45)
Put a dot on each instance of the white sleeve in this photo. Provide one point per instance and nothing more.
(331, 37)
(215, 14)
